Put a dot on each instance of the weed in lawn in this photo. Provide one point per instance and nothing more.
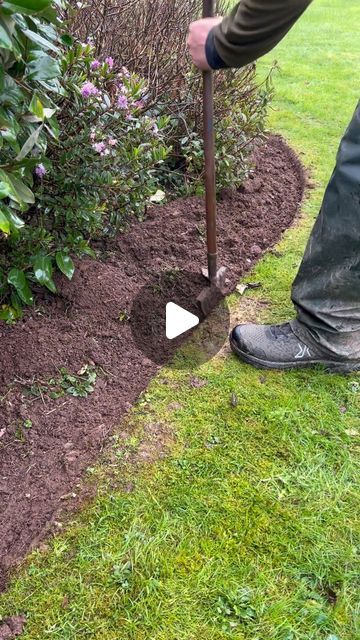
(234, 609)
(122, 575)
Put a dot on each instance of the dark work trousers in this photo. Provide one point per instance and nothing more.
(326, 290)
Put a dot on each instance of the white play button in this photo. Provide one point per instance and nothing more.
(178, 320)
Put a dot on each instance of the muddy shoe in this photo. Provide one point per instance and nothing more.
(277, 347)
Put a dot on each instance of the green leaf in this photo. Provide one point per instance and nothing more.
(6, 119)
(54, 128)
(7, 31)
(65, 264)
(15, 221)
(20, 192)
(10, 136)
(18, 280)
(26, 6)
(36, 107)
(38, 39)
(31, 119)
(8, 314)
(4, 223)
(28, 163)
(29, 144)
(50, 14)
(48, 113)
(5, 190)
(67, 39)
(5, 39)
(11, 94)
(16, 303)
(43, 272)
(46, 30)
(42, 68)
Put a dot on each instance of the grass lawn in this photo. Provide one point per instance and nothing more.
(249, 527)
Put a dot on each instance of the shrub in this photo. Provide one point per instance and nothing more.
(150, 39)
(105, 164)
(28, 83)
(240, 117)
(91, 132)
(66, 180)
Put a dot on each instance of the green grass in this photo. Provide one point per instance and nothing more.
(249, 528)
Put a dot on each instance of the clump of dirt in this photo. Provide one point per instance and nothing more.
(48, 436)
(12, 627)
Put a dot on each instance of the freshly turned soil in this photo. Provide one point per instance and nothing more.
(43, 461)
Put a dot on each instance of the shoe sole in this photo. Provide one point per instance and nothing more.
(329, 365)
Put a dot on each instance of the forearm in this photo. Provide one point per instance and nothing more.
(253, 28)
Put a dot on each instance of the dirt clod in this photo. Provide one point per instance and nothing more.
(12, 627)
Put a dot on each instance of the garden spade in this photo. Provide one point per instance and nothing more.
(211, 294)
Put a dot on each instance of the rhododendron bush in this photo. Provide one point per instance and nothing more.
(106, 164)
(150, 38)
(78, 152)
(100, 113)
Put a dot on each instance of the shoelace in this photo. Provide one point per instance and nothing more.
(281, 330)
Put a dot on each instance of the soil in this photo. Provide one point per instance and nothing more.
(46, 443)
(12, 627)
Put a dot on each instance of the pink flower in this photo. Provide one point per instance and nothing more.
(139, 104)
(94, 65)
(112, 142)
(110, 62)
(89, 89)
(123, 102)
(40, 170)
(99, 147)
(92, 136)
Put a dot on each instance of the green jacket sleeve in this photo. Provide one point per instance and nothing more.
(253, 28)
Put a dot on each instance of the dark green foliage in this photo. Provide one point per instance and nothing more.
(29, 86)
(86, 142)
(70, 177)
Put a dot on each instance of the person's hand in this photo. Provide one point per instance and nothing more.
(198, 33)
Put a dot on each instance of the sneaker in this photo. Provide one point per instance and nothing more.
(277, 347)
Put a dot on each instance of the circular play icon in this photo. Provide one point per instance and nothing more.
(166, 315)
(178, 321)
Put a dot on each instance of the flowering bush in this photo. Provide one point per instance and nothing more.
(85, 142)
(73, 165)
(150, 38)
(106, 163)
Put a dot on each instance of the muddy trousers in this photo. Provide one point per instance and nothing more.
(326, 290)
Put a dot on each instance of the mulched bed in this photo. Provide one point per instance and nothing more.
(45, 443)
